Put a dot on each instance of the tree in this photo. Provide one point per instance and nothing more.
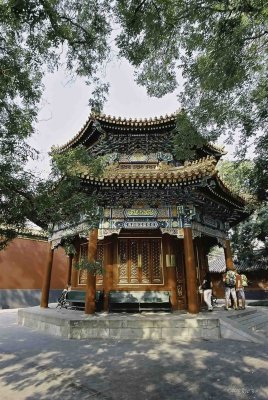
(221, 49)
(33, 36)
(219, 46)
(252, 234)
(56, 200)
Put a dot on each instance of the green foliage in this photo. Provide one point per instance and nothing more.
(187, 138)
(221, 49)
(59, 199)
(238, 175)
(94, 267)
(69, 247)
(252, 234)
(74, 162)
(34, 35)
(250, 239)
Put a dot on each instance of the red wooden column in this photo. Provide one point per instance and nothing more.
(91, 277)
(108, 270)
(171, 271)
(70, 263)
(190, 271)
(228, 255)
(47, 278)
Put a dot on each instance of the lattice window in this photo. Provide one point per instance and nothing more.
(180, 275)
(123, 262)
(100, 257)
(133, 262)
(156, 261)
(139, 261)
(145, 261)
(82, 276)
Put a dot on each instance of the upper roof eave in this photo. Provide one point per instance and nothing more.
(130, 124)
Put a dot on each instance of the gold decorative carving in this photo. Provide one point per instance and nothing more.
(145, 261)
(156, 261)
(141, 212)
(134, 262)
(122, 267)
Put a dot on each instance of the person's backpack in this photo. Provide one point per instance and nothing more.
(230, 278)
(244, 280)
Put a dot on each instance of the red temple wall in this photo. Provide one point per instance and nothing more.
(258, 281)
(23, 263)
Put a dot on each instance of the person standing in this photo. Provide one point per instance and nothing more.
(207, 291)
(241, 281)
(229, 279)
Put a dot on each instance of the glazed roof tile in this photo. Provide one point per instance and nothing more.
(157, 122)
(162, 172)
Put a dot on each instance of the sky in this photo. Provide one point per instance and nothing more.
(64, 108)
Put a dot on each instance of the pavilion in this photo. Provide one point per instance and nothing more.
(160, 215)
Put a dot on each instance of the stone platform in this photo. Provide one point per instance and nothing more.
(176, 326)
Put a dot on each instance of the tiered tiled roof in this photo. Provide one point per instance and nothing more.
(217, 264)
(97, 122)
(143, 159)
(166, 175)
(162, 173)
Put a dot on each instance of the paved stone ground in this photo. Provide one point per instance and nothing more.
(36, 366)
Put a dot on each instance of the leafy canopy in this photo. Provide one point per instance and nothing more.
(59, 199)
(219, 47)
(250, 235)
(221, 50)
(33, 36)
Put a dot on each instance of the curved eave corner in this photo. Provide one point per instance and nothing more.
(79, 137)
(224, 187)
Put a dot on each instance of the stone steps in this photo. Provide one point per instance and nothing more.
(263, 330)
(252, 322)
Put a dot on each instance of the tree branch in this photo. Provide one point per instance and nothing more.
(260, 35)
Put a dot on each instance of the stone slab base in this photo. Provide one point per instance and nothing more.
(71, 324)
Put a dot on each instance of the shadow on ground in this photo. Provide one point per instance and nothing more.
(38, 366)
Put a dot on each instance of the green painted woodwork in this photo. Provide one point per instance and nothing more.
(120, 300)
(79, 296)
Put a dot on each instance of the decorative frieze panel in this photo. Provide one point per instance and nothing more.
(174, 232)
(141, 213)
(200, 229)
(167, 219)
(117, 213)
(139, 224)
(137, 166)
(210, 221)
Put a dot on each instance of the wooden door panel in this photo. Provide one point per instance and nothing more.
(139, 261)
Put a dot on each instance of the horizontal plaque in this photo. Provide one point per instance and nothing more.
(140, 224)
(141, 212)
